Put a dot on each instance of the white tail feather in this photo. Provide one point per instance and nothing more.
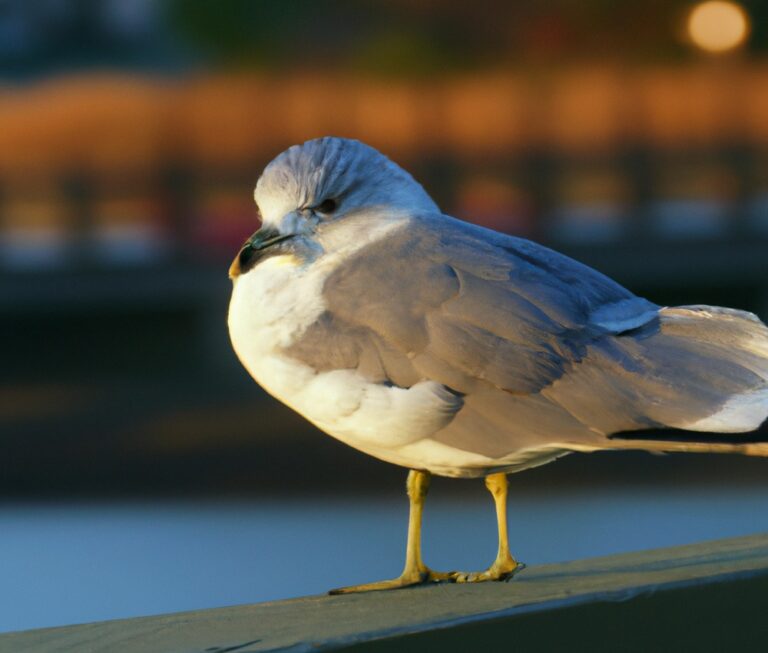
(740, 413)
(739, 337)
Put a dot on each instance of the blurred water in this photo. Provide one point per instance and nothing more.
(63, 564)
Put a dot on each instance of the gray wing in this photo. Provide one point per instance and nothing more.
(496, 318)
(548, 354)
(469, 304)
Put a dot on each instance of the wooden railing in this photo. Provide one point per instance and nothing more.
(702, 597)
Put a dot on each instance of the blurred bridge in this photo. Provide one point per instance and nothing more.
(123, 200)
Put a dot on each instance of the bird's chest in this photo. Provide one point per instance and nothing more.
(271, 307)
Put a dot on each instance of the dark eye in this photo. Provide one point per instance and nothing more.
(328, 206)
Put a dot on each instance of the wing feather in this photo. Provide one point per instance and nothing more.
(475, 305)
(499, 319)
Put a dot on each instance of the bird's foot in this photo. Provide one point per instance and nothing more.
(406, 579)
(503, 570)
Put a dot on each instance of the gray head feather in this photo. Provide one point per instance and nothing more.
(346, 171)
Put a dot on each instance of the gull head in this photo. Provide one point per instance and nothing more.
(307, 194)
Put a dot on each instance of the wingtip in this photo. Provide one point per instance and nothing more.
(740, 414)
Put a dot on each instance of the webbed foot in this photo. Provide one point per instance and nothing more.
(406, 579)
(496, 572)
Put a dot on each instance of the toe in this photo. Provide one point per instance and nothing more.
(462, 577)
(494, 573)
(395, 583)
(420, 577)
(440, 576)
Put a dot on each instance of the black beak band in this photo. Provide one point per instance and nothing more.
(254, 249)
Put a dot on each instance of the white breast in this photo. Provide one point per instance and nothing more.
(271, 307)
(273, 304)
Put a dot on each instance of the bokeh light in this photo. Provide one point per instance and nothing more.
(718, 26)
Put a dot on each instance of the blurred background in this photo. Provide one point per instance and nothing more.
(141, 470)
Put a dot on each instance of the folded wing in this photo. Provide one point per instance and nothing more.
(546, 351)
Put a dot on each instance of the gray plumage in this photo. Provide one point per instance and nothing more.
(546, 354)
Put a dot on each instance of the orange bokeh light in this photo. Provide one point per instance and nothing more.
(718, 25)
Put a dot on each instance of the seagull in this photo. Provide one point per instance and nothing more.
(451, 349)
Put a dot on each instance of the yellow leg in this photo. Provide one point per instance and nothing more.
(505, 566)
(415, 571)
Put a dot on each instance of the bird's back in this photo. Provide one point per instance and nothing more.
(546, 354)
